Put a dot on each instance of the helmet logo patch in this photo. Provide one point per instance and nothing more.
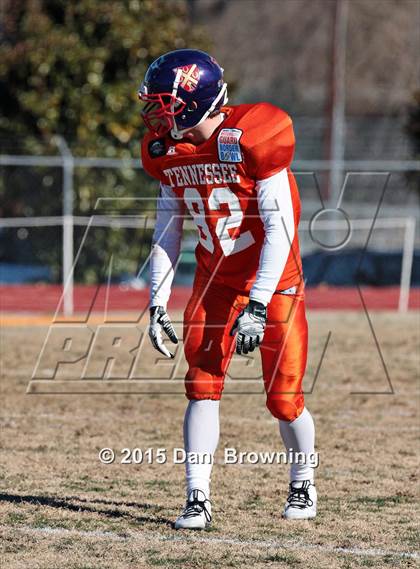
(190, 76)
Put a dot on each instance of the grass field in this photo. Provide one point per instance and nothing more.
(60, 507)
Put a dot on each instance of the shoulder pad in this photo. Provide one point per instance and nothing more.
(268, 140)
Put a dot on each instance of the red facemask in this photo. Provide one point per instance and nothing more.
(159, 112)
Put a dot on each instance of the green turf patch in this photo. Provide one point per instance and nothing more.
(15, 518)
(383, 501)
(281, 557)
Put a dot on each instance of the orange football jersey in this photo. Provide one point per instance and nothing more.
(217, 182)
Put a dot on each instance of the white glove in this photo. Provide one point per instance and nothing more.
(159, 320)
(249, 327)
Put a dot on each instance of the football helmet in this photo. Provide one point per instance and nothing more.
(181, 89)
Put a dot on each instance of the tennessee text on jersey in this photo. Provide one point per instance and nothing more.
(202, 174)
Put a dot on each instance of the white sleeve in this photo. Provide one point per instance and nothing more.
(276, 211)
(165, 245)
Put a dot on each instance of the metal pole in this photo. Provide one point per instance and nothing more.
(338, 118)
(68, 193)
(407, 263)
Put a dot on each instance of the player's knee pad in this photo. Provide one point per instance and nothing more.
(200, 384)
(285, 407)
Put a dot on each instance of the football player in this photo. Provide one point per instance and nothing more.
(229, 168)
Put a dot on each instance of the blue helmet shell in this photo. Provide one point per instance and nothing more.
(192, 76)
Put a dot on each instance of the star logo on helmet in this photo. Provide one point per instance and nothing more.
(189, 77)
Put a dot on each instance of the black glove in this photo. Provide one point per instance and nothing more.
(249, 327)
(159, 320)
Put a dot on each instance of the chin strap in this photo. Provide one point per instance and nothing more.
(179, 134)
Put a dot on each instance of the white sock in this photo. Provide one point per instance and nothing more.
(201, 436)
(299, 435)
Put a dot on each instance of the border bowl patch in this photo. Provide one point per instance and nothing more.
(228, 145)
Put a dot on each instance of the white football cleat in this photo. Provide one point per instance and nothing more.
(301, 501)
(197, 512)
